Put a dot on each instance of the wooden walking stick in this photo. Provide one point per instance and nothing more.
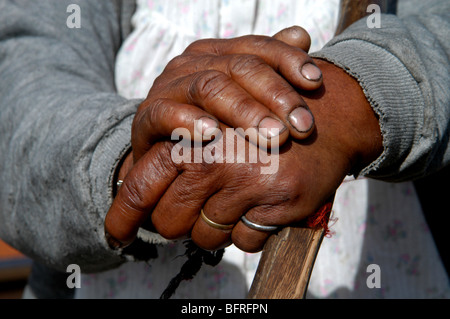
(288, 256)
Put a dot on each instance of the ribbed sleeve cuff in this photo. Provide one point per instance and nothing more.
(107, 155)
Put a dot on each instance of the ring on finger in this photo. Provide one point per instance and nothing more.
(255, 226)
(214, 224)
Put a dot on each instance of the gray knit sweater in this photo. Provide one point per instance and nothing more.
(63, 127)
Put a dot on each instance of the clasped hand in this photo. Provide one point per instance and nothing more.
(253, 83)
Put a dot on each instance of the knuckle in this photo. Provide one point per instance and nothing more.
(202, 45)
(160, 83)
(179, 61)
(165, 164)
(284, 187)
(242, 179)
(214, 85)
(201, 172)
(132, 191)
(264, 43)
(194, 46)
(247, 65)
(157, 104)
(241, 107)
(150, 115)
(154, 111)
(285, 97)
(281, 91)
(208, 84)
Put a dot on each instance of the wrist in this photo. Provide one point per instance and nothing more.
(343, 113)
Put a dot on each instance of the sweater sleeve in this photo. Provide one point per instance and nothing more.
(403, 68)
(63, 127)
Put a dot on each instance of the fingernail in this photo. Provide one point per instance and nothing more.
(112, 242)
(311, 72)
(301, 119)
(270, 127)
(206, 126)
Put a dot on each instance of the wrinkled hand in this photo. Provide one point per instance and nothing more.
(245, 82)
(347, 138)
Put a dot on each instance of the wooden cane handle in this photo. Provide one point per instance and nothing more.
(286, 264)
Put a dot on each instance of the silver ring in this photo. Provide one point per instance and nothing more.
(256, 226)
(119, 183)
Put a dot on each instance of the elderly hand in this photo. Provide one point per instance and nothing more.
(246, 82)
(347, 138)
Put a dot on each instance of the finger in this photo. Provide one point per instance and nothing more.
(295, 36)
(257, 78)
(223, 209)
(292, 63)
(262, 221)
(140, 191)
(218, 94)
(211, 235)
(180, 206)
(213, 188)
(249, 238)
(162, 118)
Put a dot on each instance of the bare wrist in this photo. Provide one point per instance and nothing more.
(342, 107)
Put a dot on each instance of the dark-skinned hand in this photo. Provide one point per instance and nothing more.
(246, 82)
(346, 138)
